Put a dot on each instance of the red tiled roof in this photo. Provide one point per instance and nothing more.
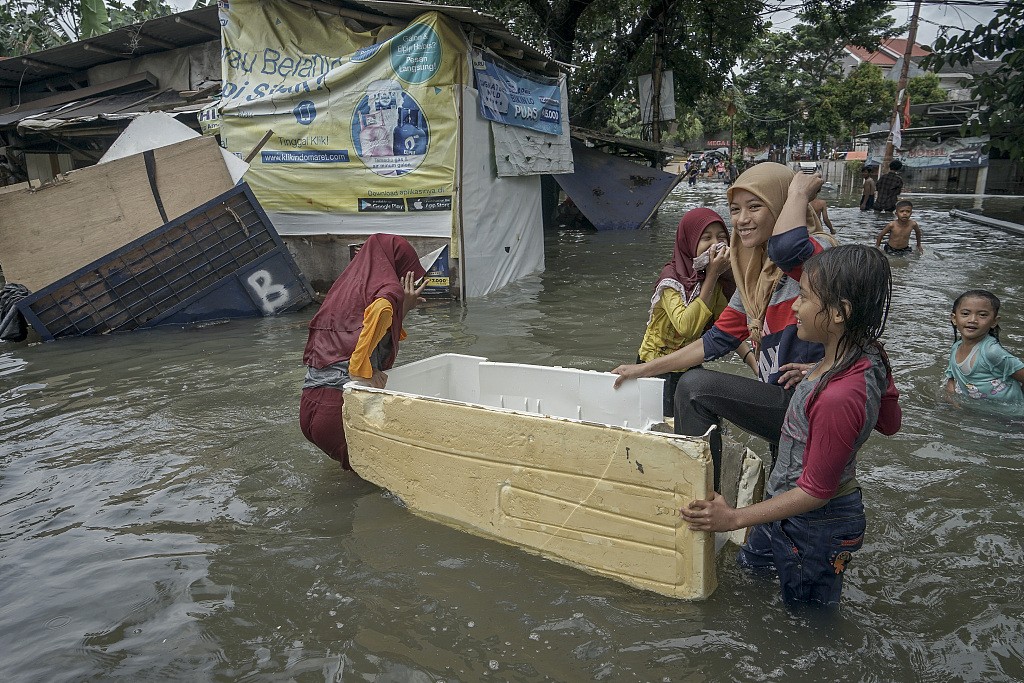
(888, 52)
(897, 46)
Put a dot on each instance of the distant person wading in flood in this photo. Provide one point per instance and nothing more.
(867, 196)
(889, 187)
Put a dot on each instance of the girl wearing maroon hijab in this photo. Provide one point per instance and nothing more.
(355, 335)
(690, 293)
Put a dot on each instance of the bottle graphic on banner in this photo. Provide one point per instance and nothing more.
(410, 138)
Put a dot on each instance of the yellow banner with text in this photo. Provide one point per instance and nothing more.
(358, 125)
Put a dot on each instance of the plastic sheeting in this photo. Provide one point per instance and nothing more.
(422, 224)
(186, 68)
(613, 193)
(502, 220)
(520, 151)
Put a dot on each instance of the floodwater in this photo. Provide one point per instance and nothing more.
(162, 518)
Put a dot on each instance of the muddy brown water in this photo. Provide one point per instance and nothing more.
(162, 518)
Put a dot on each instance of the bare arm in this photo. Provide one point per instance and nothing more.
(685, 358)
(412, 293)
(802, 189)
(717, 515)
(826, 220)
(1019, 376)
(885, 231)
(917, 234)
(746, 353)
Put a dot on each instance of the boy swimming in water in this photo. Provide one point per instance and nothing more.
(899, 231)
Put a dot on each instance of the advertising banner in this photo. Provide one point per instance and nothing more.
(514, 97)
(925, 153)
(358, 127)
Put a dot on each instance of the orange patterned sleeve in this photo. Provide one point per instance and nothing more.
(376, 322)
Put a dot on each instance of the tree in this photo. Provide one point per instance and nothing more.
(925, 88)
(31, 25)
(27, 25)
(1001, 92)
(94, 19)
(790, 80)
(611, 43)
(866, 96)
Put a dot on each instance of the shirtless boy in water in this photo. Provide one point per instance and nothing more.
(899, 232)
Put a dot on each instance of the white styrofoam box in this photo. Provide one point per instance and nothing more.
(558, 392)
(451, 376)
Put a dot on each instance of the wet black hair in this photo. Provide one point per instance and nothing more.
(904, 202)
(856, 280)
(895, 165)
(977, 294)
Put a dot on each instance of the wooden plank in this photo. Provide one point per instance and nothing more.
(140, 81)
(51, 232)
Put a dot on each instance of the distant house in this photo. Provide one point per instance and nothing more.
(889, 58)
(889, 53)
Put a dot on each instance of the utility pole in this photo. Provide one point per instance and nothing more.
(901, 87)
(731, 111)
(789, 132)
(659, 40)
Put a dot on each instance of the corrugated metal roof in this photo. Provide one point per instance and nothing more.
(156, 35)
(119, 107)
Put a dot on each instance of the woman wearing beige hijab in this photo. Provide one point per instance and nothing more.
(774, 232)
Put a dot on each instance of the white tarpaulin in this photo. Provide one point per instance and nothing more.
(502, 220)
(521, 151)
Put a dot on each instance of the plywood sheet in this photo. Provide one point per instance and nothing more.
(601, 498)
(51, 232)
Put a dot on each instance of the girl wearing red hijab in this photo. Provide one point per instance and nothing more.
(691, 292)
(355, 335)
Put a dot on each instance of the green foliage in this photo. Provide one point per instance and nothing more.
(612, 42)
(28, 25)
(1001, 93)
(32, 25)
(866, 96)
(624, 119)
(94, 18)
(925, 88)
(126, 14)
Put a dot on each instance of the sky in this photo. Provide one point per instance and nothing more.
(958, 17)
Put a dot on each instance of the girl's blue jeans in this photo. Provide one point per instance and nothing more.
(810, 551)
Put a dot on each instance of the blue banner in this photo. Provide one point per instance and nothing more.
(514, 97)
